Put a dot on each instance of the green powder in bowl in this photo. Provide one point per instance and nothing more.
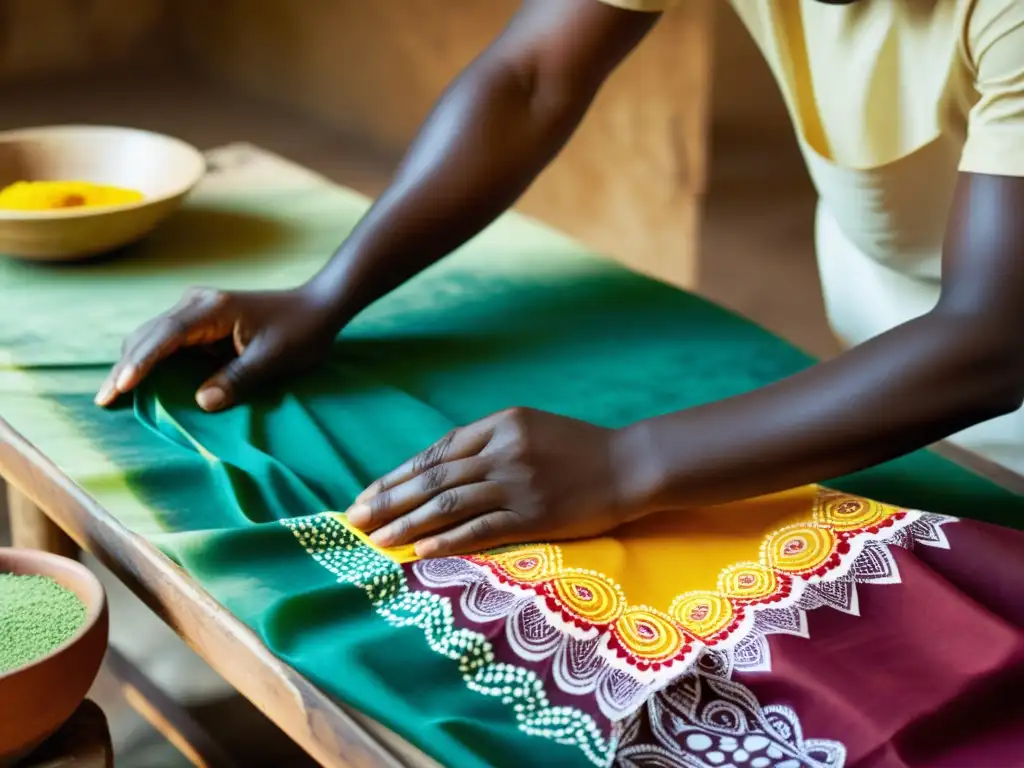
(36, 616)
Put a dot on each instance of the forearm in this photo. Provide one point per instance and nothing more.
(904, 390)
(490, 135)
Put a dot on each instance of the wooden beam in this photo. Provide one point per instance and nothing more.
(168, 717)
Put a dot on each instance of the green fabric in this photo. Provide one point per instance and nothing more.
(520, 317)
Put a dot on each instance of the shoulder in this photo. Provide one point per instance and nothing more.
(993, 38)
(993, 26)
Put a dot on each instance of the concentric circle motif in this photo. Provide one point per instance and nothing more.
(748, 581)
(703, 614)
(800, 548)
(649, 635)
(851, 513)
(529, 564)
(589, 596)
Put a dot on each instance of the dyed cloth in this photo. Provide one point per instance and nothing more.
(811, 628)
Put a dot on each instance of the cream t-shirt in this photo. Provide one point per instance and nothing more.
(890, 100)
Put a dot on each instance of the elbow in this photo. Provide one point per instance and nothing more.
(999, 376)
(994, 385)
(554, 96)
(551, 88)
(983, 393)
(986, 364)
(1001, 401)
(1007, 391)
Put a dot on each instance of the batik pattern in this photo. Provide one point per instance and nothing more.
(601, 644)
(384, 583)
(576, 631)
(707, 720)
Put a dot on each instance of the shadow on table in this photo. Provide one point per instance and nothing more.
(196, 236)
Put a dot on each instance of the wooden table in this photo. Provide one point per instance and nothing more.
(50, 512)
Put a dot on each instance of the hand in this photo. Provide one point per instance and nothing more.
(273, 332)
(517, 476)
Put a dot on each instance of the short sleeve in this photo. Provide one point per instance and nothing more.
(995, 128)
(641, 5)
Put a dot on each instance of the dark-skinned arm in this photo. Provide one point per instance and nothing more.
(494, 130)
(960, 364)
(526, 475)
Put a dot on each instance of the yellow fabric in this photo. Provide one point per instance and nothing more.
(403, 554)
(657, 557)
(689, 572)
(670, 580)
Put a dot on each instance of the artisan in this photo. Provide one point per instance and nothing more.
(910, 114)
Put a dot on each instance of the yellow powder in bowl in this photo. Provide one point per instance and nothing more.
(56, 195)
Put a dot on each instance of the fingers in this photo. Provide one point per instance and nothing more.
(161, 337)
(231, 382)
(478, 534)
(457, 444)
(382, 508)
(441, 487)
(153, 342)
(440, 513)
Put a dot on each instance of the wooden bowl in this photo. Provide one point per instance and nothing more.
(162, 168)
(36, 699)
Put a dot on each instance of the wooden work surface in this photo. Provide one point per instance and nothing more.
(43, 494)
(329, 732)
(324, 729)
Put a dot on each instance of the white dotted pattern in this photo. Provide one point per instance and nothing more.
(383, 581)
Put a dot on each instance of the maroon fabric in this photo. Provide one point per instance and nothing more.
(495, 632)
(930, 674)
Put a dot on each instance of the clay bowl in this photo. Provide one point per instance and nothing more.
(36, 699)
(162, 168)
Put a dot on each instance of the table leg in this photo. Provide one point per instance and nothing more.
(32, 529)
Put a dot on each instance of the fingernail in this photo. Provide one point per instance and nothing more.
(426, 548)
(365, 495)
(359, 515)
(381, 538)
(105, 395)
(211, 398)
(126, 378)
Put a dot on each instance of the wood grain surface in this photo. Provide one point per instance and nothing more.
(320, 726)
